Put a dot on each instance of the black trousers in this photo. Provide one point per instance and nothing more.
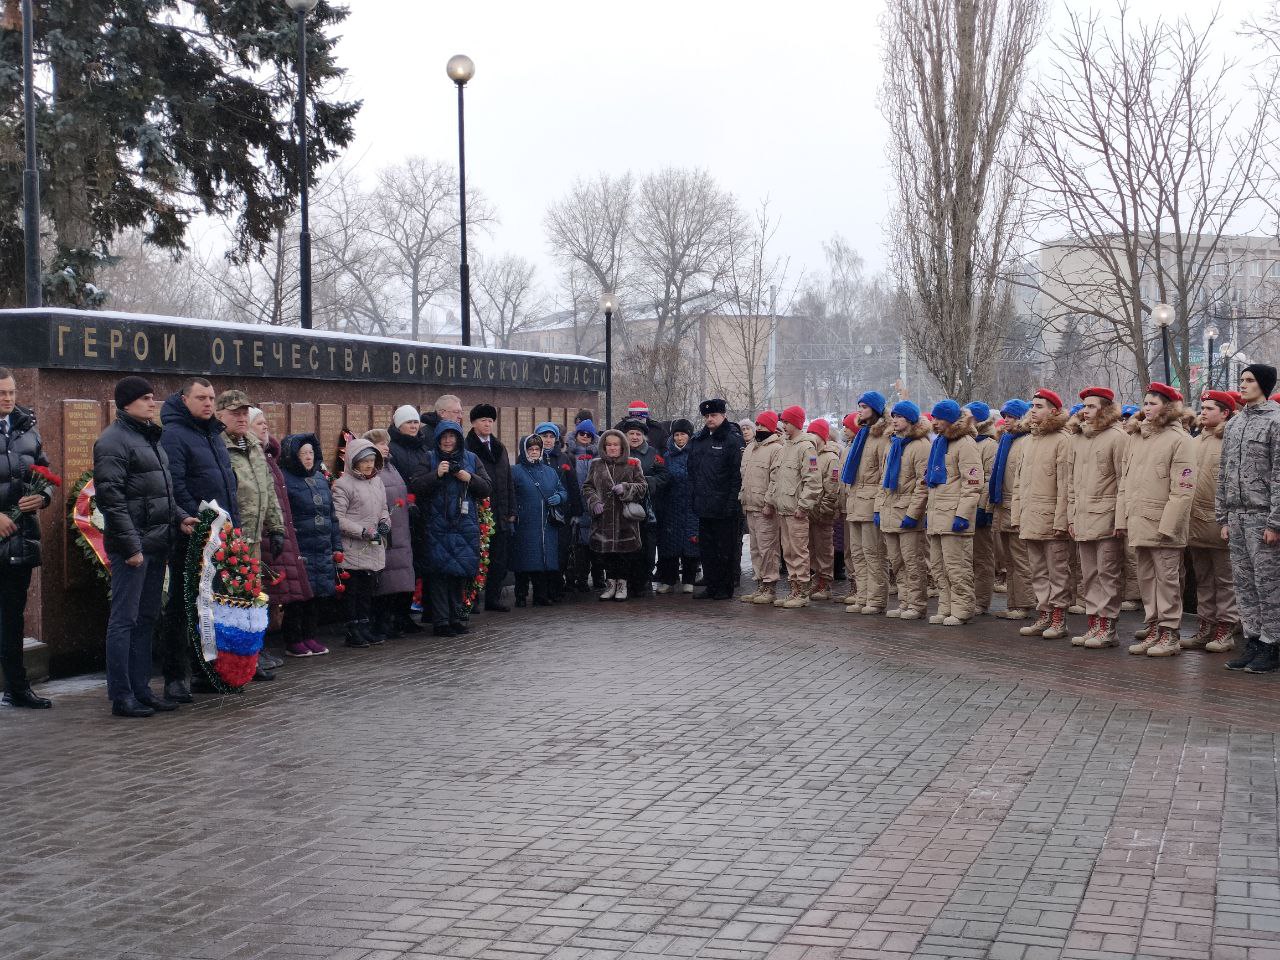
(541, 581)
(175, 654)
(301, 620)
(673, 570)
(499, 549)
(721, 550)
(586, 562)
(446, 600)
(14, 584)
(640, 578)
(357, 602)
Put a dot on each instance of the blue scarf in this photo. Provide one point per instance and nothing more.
(850, 472)
(893, 465)
(996, 493)
(936, 474)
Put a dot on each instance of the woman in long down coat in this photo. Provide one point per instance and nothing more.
(614, 480)
(394, 592)
(557, 456)
(316, 528)
(585, 561)
(535, 547)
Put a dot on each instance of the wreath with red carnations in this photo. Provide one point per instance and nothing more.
(475, 590)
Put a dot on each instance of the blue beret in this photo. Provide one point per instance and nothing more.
(875, 400)
(907, 410)
(947, 410)
(981, 411)
(1017, 408)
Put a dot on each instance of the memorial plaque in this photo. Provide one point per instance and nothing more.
(382, 414)
(330, 427)
(507, 426)
(302, 418)
(358, 418)
(277, 420)
(81, 425)
(559, 416)
(524, 423)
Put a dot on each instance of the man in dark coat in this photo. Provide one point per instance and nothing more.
(20, 450)
(492, 455)
(715, 469)
(201, 470)
(654, 466)
(141, 521)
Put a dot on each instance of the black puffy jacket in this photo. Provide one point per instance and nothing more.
(715, 470)
(134, 489)
(198, 459)
(19, 452)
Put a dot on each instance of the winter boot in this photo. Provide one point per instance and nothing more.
(1129, 605)
(1104, 634)
(1039, 627)
(823, 591)
(1149, 639)
(910, 615)
(1224, 638)
(1252, 650)
(407, 625)
(871, 610)
(953, 621)
(1082, 639)
(1075, 609)
(354, 637)
(1203, 634)
(1142, 631)
(1057, 628)
(1166, 646)
(799, 596)
(370, 634)
(621, 592)
(1016, 614)
(749, 596)
(1267, 660)
(387, 625)
(767, 595)
(610, 590)
(894, 614)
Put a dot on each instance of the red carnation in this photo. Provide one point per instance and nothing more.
(399, 502)
(340, 589)
(659, 460)
(344, 575)
(564, 467)
(220, 555)
(412, 498)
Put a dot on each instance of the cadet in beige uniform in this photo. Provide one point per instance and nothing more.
(1040, 514)
(795, 493)
(984, 548)
(1096, 457)
(759, 475)
(823, 516)
(863, 472)
(1154, 511)
(901, 509)
(954, 479)
(1211, 555)
(1002, 488)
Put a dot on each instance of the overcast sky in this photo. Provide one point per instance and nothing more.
(774, 99)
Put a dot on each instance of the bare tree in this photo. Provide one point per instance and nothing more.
(357, 291)
(506, 299)
(578, 299)
(1145, 162)
(954, 71)
(146, 279)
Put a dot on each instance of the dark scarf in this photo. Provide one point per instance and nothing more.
(893, 464)
(936, 474)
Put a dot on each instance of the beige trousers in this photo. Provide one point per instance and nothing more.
(766, 546)
(951, 559)
(795, 547)
(984, 567)
(866, 549)
(1102, 576)
(822, 550)
(1160, 580)
(1019, 595)
(909, 554)
(1050, 573)
(1215, 586)
(1131, 591)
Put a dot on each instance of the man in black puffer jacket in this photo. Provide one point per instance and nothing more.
(20, 450)
(715, 470)
(135, 495)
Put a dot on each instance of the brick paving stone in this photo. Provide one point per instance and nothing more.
(664, 779)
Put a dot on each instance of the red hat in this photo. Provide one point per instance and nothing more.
(1220, 396)
(1101, 392)
(768, 420)
(1238, 397)
(1275, 397)
(794, 416)
(1166, 391)
(820, 429)
(637, 406)
(851, 422)
(1048, 395)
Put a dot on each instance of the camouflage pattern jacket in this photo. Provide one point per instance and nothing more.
(1249, 475)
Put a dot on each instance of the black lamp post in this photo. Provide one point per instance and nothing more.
(608, 303)
(461, 69)
(1162, 314)
(302, 8)
(30, 171)
(1212, 334)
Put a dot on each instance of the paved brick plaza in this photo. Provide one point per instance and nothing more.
(665, 778)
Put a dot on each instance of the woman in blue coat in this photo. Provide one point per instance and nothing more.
(316, 526)
(677, 523)
(535, 549)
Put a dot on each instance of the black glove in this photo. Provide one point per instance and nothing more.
(384, 528)
(276, 542)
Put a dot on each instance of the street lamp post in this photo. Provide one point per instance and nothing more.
(608, 303)
(1228, 349)
(1212, 334)
(1162, 314)
(301, 8)
(461, 69)
(30, 171)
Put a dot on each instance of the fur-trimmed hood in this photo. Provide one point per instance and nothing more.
(1107, 416)
(954, 431)
(626, 446)
(1019, 427)
(916, 430)
(880, 427)
(1217, 431)
(1170, 415)
(1055, 422)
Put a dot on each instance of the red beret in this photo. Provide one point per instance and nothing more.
(794, 416)
(851, 422)
(1275, 397)
(1221, 397)
(1050, 396)
(1238, 397)
(821, 429)
(768, 420)
(1166, 391)
(1103, 393)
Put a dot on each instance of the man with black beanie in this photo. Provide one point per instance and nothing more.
(1247, 506)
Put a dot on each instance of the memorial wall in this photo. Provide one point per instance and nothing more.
(67, 362)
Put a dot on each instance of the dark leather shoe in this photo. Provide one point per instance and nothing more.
(130, 707)
(705, 595)
(458, 629)
(199, 684)
(408, 626)
(497, 607)
(178, 692)
(25, 698)
(263, 674)
(158, 704)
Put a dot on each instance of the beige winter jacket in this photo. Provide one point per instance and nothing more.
(829, 501)
(1040, 509)
(987, 444)
(911, 496)
(759, 473)
(1003, 511)
(861, 495)
(1205, 531)
(797, 486)
(1159, 484)
(1095, 458)
(959, 496)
